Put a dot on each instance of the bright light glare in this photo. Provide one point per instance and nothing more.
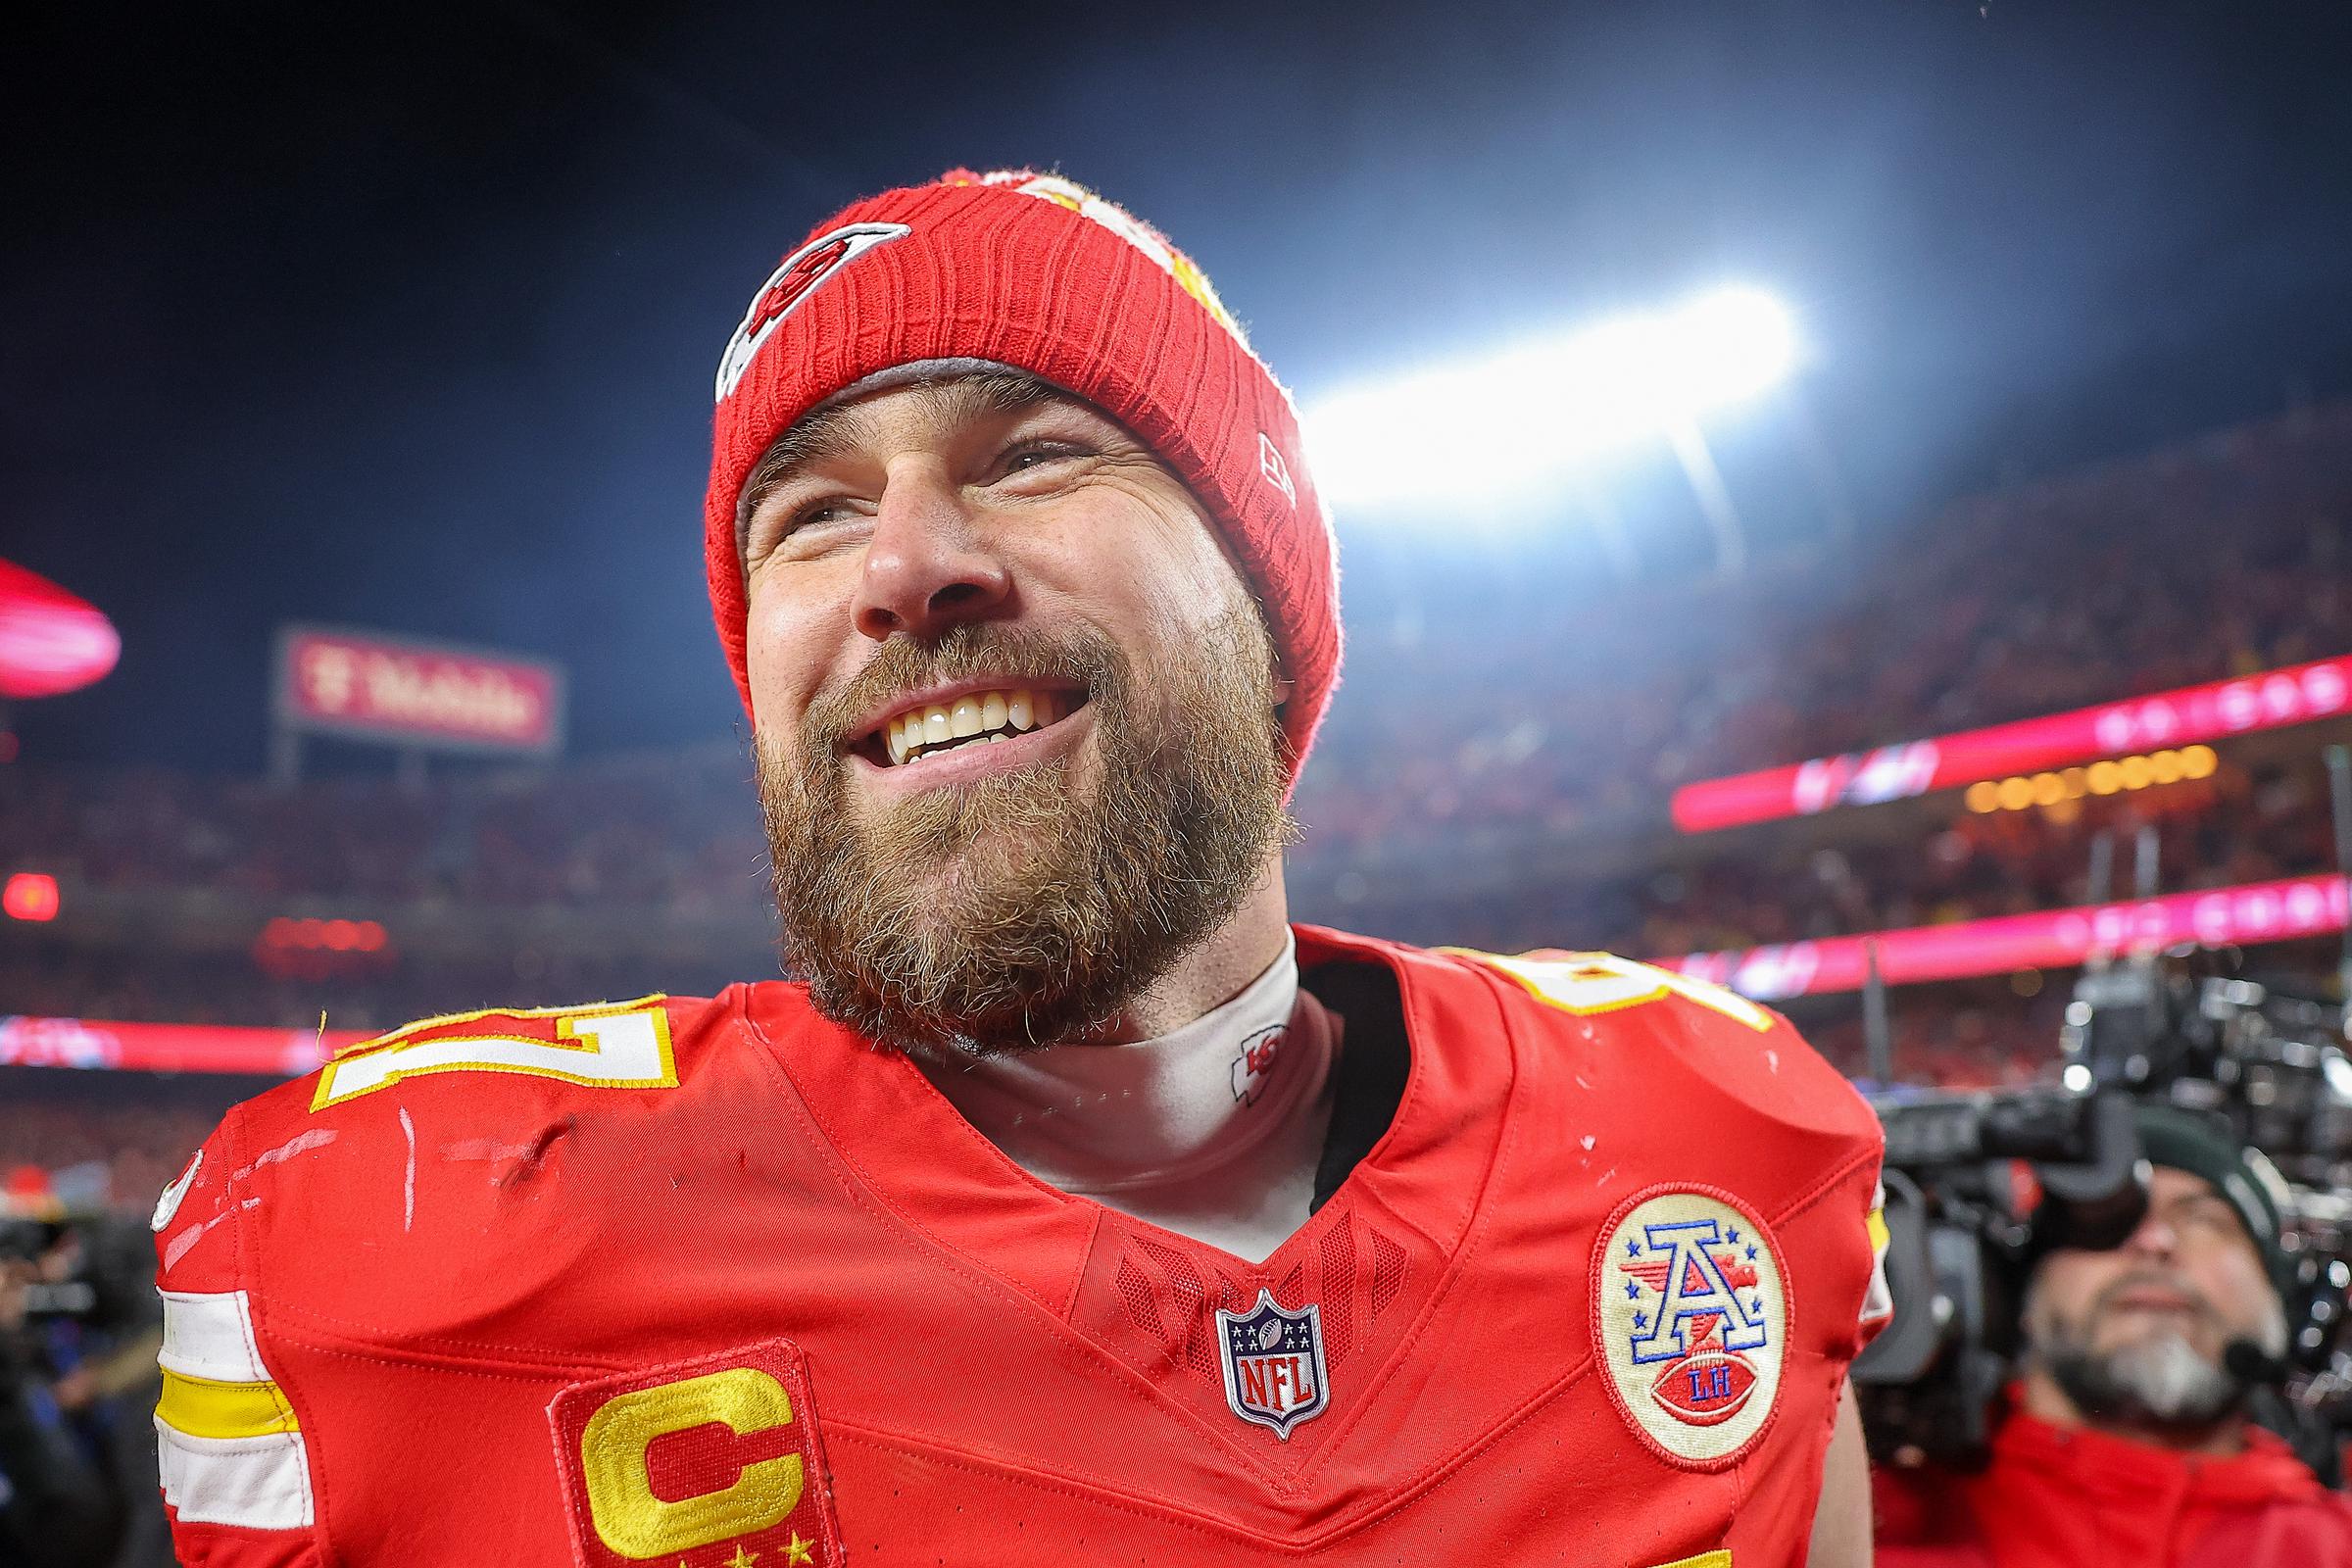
(1484, 429)
(2338, 1074)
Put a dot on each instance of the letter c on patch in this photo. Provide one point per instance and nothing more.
(635, 1523)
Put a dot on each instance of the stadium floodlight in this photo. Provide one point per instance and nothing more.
(1513, 422)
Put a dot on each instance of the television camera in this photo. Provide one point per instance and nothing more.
(1979, 1186)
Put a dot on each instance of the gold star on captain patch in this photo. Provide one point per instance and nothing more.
(742, 1558)
(796, 1549)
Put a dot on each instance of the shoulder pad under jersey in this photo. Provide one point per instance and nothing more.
(1746, 1050)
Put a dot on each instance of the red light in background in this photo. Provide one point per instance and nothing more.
(29, 895)
(310, 948)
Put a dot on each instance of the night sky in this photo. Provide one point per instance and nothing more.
(403, 317)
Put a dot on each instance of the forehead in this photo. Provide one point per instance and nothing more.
(924, 397)
(2169, 1184)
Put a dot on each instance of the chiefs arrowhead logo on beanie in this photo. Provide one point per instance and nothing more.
(1032, 271)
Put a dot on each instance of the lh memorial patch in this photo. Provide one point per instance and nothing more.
(1691, 1318)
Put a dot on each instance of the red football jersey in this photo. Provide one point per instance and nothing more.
(715, 1283)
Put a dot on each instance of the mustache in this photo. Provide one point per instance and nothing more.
(973, 649)
(2152, 1279)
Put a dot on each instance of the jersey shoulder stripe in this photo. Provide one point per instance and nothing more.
(229, 1447)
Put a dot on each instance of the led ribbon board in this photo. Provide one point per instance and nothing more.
(2055, 939)
(31, 1042)
(2295, 695)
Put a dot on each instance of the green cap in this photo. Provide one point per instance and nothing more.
(2205, 1146)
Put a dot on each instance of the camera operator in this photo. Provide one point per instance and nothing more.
(57, 1506)
(2126, 1440)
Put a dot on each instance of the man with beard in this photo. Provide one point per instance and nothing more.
(2127, 1441)
(1069, 1204)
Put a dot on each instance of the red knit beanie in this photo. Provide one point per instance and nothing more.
(1032, 271)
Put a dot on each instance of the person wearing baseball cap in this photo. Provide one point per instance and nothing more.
(2127, 1437)
(1067, 1201)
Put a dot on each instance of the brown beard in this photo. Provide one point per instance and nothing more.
(1026, 910)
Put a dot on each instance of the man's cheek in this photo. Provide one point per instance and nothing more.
(2242, 1292)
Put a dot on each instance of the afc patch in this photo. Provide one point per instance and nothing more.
(1273, 1363)
(710, 1463)
(1690, 1318)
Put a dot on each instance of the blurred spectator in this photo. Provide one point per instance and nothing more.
(79, 1328)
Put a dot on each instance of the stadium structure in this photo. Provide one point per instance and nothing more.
(2053, 725)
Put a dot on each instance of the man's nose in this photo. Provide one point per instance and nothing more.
(928, 564)
(2155, 1237)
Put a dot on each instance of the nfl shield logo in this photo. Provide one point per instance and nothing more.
(1273, 1363)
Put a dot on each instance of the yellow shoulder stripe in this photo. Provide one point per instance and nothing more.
(1878, 1230)
(204, 1409)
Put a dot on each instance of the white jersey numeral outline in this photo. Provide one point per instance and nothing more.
(622, 1046)
(1585, 983)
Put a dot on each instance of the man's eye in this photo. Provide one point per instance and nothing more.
(773, 534)
(1031, 454)
(2208, 1212)
(814, 514)
(822, 511)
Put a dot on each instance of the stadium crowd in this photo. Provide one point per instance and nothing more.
(2232, 566)
(2217, 559)
(2244, 824)
(677, 832)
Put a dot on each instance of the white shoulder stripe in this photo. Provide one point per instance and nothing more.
(210, 1335)
(263, 1483)
(1878, 1303)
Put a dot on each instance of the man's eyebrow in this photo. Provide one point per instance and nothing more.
(814, 438)
(827, 433)
(2184, 1204)
(994, 392)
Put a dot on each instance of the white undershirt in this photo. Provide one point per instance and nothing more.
(1186, 1131)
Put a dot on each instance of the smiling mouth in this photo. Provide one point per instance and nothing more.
(969, 719)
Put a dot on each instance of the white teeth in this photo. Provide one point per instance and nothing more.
(976, 714)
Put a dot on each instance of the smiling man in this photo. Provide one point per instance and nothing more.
(1068, 1203)
(1010, 781)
